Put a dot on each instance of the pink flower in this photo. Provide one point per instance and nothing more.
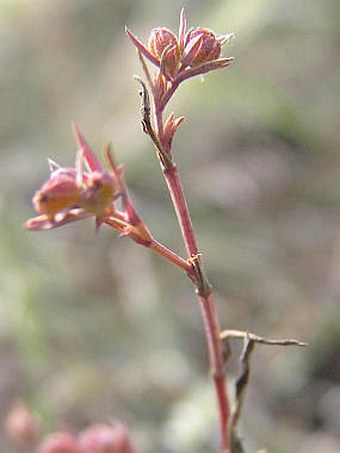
(71, 193)
(76, 193)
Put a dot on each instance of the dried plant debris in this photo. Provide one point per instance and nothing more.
(249, 342)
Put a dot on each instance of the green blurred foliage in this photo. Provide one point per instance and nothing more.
(94, 328)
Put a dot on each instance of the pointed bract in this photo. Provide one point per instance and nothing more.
(53, 165)
(181, 29)
(191, 50)
(90, 158)
(226, 39)
(141, 47)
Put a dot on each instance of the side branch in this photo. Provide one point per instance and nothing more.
(249, 342)
(173, 258)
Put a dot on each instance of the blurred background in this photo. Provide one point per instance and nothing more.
(97, 329)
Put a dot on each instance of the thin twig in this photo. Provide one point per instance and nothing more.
(173, 258)
(249, 342)
(242, 334)
(241, 385)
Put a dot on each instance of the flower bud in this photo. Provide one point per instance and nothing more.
(160, 39)
(169, 62)
(210, 48)
(59, 443)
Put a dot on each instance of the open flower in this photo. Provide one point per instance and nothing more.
(86, 190)
(197, 51)
(71, 193)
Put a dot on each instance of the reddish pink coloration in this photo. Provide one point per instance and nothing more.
(199, 53)
(191, 50)
(89, 156)
(21, 425)
(181, 28)
(169, 62)
(142, 48)
(60, 192)
(170, 128)
(75, 193)
(105, 439)
(161, 39)
(164, 46)
(210, 48)
(59, 443)
(72, 194)
(176, 56)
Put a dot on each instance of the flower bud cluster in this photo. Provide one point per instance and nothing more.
(199, 49)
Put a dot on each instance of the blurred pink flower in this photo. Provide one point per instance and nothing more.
(59, 442)
(106, 439)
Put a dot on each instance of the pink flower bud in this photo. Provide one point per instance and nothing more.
(164, 46)
(170, 62)
(59, 443)
(210, 48)
(160, 39)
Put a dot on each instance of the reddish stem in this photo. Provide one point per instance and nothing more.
(207, 305)
(182, 211)
(212, 329)
(205, 296)
(172, 257)
(165, 99)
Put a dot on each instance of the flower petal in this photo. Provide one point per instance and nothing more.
(44, 223)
